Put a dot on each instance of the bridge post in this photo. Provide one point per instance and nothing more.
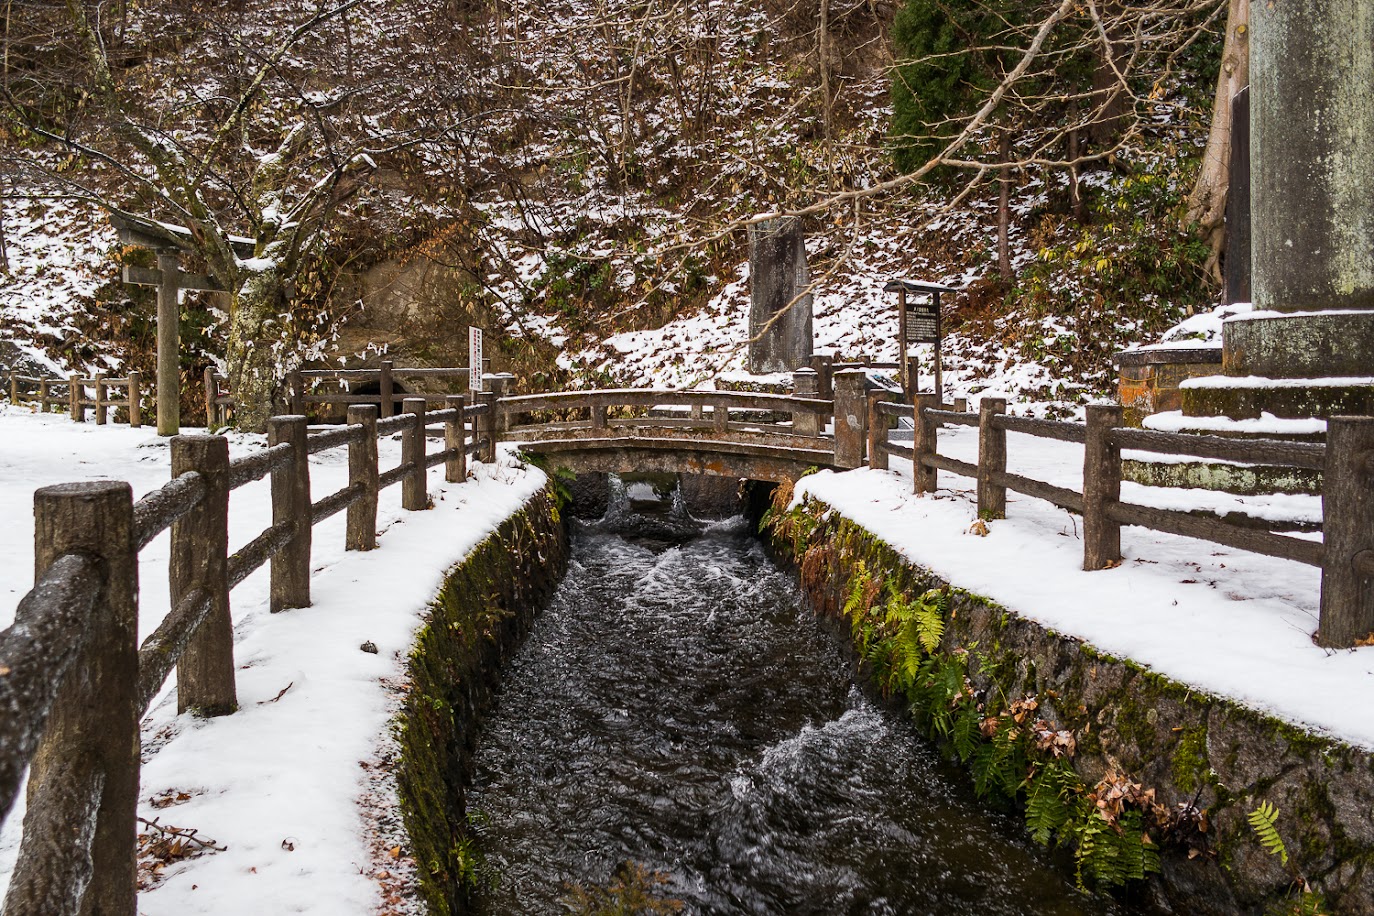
(414, 492)
(455, 441)
(851, 410)
(806, 384)
(200, 562)
(89, 752)
(291, 506)
(925, 443)
(42, 396)
(361, 531)
(877, 430)
(211, 393)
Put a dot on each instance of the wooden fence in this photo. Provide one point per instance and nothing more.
(303, 389)
(1345, 555)
(74, 681)
(75, 393)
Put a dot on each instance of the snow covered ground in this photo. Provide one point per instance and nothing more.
(281, 783)
(287, 782)
(1221, 620)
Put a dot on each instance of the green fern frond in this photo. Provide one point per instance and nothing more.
(1262, 821)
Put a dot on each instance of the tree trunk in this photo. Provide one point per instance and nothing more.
(257, 313)
(1004, 207)
(4, 248)
(1207, 202)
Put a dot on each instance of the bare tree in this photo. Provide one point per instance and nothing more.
(1207, 202)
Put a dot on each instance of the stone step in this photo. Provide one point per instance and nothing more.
(1221, 476)
(1248, 397)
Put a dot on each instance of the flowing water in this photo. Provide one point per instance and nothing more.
(678, 707)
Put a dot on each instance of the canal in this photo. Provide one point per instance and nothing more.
(680, 715)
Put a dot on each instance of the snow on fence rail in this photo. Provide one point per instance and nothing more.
(73, 680)
(1345, 555)
(71, 393)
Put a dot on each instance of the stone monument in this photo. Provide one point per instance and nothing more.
(780, 338)
(1309, 349)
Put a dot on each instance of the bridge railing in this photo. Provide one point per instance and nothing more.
(1345, 555)
(74, 681)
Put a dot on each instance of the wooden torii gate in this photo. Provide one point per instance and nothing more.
(168, 242)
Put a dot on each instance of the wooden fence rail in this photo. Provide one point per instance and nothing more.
(1345, 556)
(79, 735)
(71, 395)
(303, 390)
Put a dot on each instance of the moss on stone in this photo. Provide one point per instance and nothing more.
(1186, 743)
(483, 609)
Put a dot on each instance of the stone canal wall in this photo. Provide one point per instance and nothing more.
(479, 618)
(1096, 751)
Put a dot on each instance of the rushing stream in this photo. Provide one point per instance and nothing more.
(677, 706)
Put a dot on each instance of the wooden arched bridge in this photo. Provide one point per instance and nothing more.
(769, 437)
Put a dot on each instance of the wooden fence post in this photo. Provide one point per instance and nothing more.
(484, 426)
(14, 388)
(1101, 488)
(992, 459)
(414, 492)
(200, 561)
(851, 408)
(806, 383)
(295, 383)
(877, 430)
(169, 344)
(386, 389)
(1347, 600)
(135, 399)
(75, 393)
(361, 532)
(102, 392)
(43, 396)
(598, 413)
(961, 405)
(455, 441)
(502, 385)
(291, 505)
(925, 441)
(90, 747)
(211, 394)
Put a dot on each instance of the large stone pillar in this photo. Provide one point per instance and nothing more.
(780, 337)
(1312, 154)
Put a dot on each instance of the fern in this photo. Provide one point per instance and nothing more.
(964, 734)
(1048, 806)
(1262, 821)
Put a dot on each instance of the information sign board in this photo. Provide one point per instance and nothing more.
(475, 359)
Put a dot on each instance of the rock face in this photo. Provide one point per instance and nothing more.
(1186, 746)
(780, 336)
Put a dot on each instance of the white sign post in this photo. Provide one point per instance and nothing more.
(474, 359)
